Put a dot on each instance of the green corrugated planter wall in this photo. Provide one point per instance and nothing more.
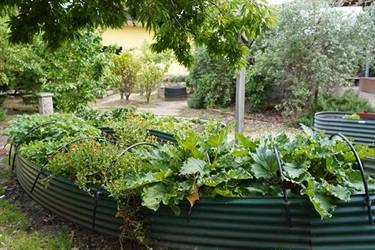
(369, 165)
(241, 223)
(222, 223)
(261, 223)
(363, 131)
(64, 198)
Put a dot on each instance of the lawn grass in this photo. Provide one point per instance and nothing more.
(15, 227)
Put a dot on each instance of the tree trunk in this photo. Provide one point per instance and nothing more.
(127, 97)
(122, 95)
(316, 96)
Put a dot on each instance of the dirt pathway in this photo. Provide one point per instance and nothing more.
(157, 106)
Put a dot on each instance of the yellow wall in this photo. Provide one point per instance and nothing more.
(132, 37)
(128, 38)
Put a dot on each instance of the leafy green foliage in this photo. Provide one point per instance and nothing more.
(176, 78)
(322, 169)
(3, 113)
(205, 163)
(76, 73)
(350, 101)
(176, 24)
(84, 161)
(352, 116)
(257, 91)
(212, 80)
(126, 66)
(164, 59)
(19, 67)
(149, 78)
(214, 84)
(62, 125)
(311, 52)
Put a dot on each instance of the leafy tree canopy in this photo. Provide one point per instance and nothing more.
(176, 23)
(312, 51)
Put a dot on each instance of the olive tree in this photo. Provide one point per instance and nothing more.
(314, 48)
(312, 51)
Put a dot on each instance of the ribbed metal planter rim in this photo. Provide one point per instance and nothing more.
(221, 223)
(369, 165)
(63, 197)
(244, 223)
(363, 131)
(261, 223)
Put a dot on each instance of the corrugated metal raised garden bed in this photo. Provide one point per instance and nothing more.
(224, 223)
(249, 217)
(362, 130)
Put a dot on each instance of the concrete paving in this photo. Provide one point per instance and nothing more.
(369, 96)
(365, 95)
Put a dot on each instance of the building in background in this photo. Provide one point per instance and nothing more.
(131, 37)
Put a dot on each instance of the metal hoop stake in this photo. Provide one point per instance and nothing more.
(367, 196)
(10, 150)
(24, 137)
(285, 196)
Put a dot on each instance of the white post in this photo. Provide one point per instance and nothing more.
(240, 100)
(45, 103)
(159, 90)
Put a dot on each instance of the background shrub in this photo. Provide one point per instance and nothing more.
(214, 84)
(350, 101)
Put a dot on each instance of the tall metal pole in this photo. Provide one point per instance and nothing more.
(240, 100)
(369, 46)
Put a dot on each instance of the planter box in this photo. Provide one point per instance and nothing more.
(222, 223)
(367, 84)
(366, 115)
(175, 92)
(331, 122)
